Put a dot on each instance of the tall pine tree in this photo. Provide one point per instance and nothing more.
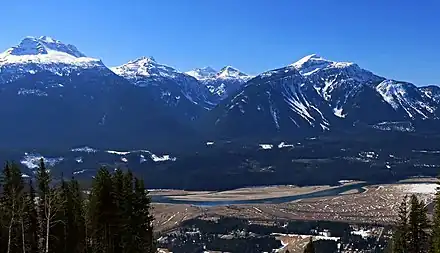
(436, 224)
(13, 200)
(310, 247)
(418, 226)
(401, 235)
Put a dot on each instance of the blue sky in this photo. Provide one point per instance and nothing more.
(394, 38)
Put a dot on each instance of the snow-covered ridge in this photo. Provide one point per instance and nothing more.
(407, 97)
(45, 51)
(202, 73)
(227, 72)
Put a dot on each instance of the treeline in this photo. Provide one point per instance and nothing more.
(48, 217)
(415, 233)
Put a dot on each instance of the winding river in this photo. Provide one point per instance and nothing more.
(276, 200)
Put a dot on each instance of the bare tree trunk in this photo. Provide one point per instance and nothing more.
(10, 235)
(11, 223)
(47, 228)
(22, 236)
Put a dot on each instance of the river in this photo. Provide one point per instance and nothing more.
(276, 200)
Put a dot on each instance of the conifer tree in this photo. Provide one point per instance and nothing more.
(13, 203)
(121, 232)
(115, 219)
(77, 236)
(102, 211)
(310, 248)
(436, 224)
(49, 210)
(418, 225)
(32, 224)
(401, 235)
(143, 218)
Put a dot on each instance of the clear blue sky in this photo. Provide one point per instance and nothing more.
(396, 38)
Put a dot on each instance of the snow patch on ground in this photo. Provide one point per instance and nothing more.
(32, 161)
(85, 149)
(162, 158)
(118, 152)
(266, 146)
(284, 145)
(428, 188)
(79, 172)
(363, 233)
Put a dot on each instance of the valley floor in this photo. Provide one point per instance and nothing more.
(377, 204)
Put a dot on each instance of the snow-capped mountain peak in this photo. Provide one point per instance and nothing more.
(145, 67)
(43, 45)
(44, 53)
(313, 63)
(308, 60)
(231, 72)
(144, 60)
(202, 73)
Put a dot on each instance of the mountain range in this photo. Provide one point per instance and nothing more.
(53, 95)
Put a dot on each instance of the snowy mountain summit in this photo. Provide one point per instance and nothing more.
(145, 67)
(221, 84)
(227, 72)
(44, 50)
(313, 63)
(34, 55)
(202, 73)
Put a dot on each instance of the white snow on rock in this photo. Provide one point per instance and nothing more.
(338, 112)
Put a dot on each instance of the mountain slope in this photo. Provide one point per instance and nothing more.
(342, 84)
(52, 101)
(314, 95)
(272, 104)
(182, 93)
(358, 95)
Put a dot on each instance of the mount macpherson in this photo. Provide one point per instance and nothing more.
(53, 95)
